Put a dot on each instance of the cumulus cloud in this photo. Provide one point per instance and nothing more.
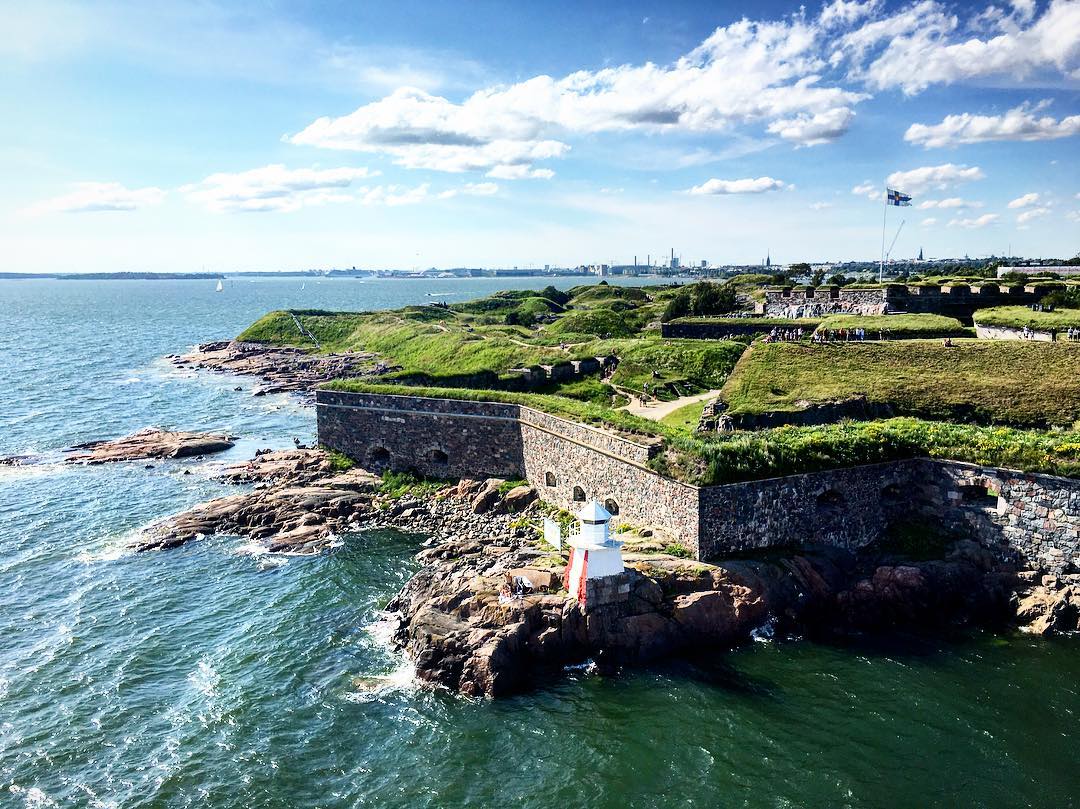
(275, 188)
(976, 223)
(1025, 201)
(1034, 213)
(820, 206)
(747, 185)
(471, 190)
(1018, 124)
(869, 190)
(927, 178)
(930, 220)
(798, 78)
(925, 43)
(89, 197)
(950, 202)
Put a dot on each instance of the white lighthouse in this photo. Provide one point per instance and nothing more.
(593, 553)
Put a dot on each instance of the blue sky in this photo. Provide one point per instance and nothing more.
(172, 137)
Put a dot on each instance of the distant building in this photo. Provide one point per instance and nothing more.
(1060, 269)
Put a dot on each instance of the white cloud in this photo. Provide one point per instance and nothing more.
(748, 73)
(90, 197)
(925, 43)
(974, 224)
(820, 206)
(951, 202)
(842, 13)
(930, 220)
(1073, 216)
(471, 190)
(1025, 201)
(274, 188)
(869, 190)
(1019, 124)
(1034, 213)
(519, 172)
(926, 178)
(394, 195)
(747, 185)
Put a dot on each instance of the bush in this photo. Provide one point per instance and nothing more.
(700, 300)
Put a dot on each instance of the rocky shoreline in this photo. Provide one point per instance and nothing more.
(280, 368)
(456, 622)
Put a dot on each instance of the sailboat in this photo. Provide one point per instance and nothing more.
(219, 286)
(302, 285)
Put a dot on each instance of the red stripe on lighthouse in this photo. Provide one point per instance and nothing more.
(566, 573)
(581, 582)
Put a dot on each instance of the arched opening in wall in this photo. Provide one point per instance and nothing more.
(549, 479)
(611, 507)
(978, 495)
(379, 456)
(892, 495)
(579, 494)
(439, 458)
(829, 502)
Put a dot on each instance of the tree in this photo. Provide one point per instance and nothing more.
(817, 278)
(838, 280)
(701, 300)
(802, 268)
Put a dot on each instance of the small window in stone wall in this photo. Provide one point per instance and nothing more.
(611, 506)
(380, 455)
(439, 457)
(830, 501)
(579, 494)
(549, 479)
(834, 293)
(978, 495)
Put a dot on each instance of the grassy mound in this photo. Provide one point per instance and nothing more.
(1016, 317)
(671, 367)
(599, 322)
(895, 327)
(1023, 384)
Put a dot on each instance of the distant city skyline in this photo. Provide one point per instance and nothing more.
(229, 137)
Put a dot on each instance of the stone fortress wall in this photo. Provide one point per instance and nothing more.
(1033, 518)
(956, 300)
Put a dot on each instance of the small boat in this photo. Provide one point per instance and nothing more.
(302, 285)
(220, 287)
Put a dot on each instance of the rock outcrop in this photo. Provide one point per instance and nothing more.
(153, 442)
(281, 368)
(465, 631)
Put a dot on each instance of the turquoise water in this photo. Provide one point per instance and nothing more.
(215, 676)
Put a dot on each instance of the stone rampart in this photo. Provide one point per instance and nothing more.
(1033, 519)
(954, 300)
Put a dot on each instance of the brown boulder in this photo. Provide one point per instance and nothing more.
(487, 497)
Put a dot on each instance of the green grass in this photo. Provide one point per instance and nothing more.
(1017, 383)
(682, 366)
(742, 456)
(1016, 317)
(764, 323)
(686, 417)
(599, 322)
(898, 326)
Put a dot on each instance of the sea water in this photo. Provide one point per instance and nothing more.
(218, 676)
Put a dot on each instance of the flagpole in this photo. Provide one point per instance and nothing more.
(884, 215)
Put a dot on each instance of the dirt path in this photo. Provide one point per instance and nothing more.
(657, 410)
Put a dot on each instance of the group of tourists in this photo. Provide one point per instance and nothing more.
(784, 335)
(1072, 334)
(843, 336)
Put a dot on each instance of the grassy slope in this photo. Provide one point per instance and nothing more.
(985, 382)
(1017, 317)
(898, 325)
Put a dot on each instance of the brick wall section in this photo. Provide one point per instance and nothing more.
(1032, 518)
